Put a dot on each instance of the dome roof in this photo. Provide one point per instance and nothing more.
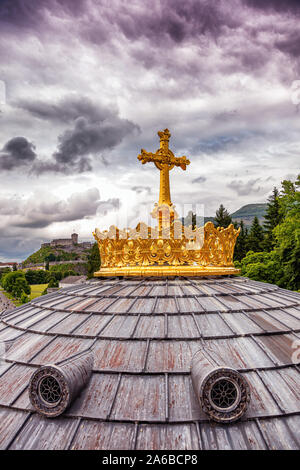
(143, 334)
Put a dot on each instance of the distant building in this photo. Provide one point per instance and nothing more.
(67, 242)
(10, 265)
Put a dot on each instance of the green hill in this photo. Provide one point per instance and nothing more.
(248, 212)
(245, 213)
(49, 253)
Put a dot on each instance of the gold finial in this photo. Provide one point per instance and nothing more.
(164, 137)
(165, 161)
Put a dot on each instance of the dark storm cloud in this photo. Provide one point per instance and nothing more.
(290, 45)
(17, 152)
(173, 19)
(30, 13)
(276, 5)
(163, 24)
(18, 247)
(86, 139)
(21, 13)
(95, 128)
(67, 109)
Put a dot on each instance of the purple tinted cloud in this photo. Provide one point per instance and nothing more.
(92, 129)
(17, 152)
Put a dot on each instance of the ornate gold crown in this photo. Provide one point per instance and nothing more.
(170, 248)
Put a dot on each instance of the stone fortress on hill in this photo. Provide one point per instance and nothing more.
(67, 242)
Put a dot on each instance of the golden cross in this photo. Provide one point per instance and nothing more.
(164, 160)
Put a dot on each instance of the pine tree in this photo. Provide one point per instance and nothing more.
(256, 236)
(241, 245)
(222, 218)
(272, 218)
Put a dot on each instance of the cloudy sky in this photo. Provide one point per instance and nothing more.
(85, 84)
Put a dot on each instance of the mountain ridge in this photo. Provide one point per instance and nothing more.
(245, 213)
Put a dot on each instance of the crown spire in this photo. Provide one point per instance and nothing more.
(164, 161)
(170, 248)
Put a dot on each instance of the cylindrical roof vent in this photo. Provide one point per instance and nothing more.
(223, 392)
(52, 387)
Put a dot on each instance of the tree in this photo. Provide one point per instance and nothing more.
(53, 283)
(20, 287)
(256, 236)
(4, 271)
(36, 276)
(240, 250)
(15, 283)
(287, 234)
(50, 257)
(281, 265)
(262, 266)
(24, 298)
(272, 218)
(222, 218)
(9, 279)
(94, 261)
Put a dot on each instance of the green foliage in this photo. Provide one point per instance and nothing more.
(53, 283)
(67, 268)
(24, 298)
(256, 236)
(36, 276)
(272, 218)
(262, 266)
(280, 262)
(241, 242)
(287, 234)
(94, 261)
(50, 253)
(39, 256)
(70, 272)
(58, 275)
(15, 283)
(4, 271)
(50, 257)
(222, 217)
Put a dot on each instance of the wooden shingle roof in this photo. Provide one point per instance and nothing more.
(143, 334)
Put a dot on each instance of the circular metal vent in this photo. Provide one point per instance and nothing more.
(224, 394)
(49, 390)
(52, 387)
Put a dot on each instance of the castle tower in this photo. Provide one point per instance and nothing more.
(74, 238)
